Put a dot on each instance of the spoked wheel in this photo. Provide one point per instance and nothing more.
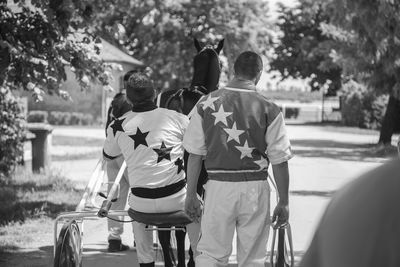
(68, 249)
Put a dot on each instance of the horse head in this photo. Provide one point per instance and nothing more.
(206, 66)
(206, 73)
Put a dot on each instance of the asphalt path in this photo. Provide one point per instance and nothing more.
(325, 160)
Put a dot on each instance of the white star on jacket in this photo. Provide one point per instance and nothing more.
(221, 115)
(209, 103)
(263, 163)
(234, 133)
(245, 150)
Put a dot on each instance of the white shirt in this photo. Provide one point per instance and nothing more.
(151, 143)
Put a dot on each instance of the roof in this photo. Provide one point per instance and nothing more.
(111, 53)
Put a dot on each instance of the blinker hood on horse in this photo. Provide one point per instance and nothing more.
(206, 74)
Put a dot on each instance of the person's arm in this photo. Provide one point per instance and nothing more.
(111, 149)
(279, 152)
(193, 205)
(281, 176)
(193, 142)
(193, 173)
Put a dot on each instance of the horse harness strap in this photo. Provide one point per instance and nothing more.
(179, 94)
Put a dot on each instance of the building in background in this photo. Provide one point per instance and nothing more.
(95, 100)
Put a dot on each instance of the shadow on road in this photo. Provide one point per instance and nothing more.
(340, 150)
(306, 193)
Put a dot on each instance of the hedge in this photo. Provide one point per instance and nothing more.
(60, 117)
(37, 116)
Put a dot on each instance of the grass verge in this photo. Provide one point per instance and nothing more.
(28, 204)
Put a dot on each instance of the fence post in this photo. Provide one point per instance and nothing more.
(40, 145)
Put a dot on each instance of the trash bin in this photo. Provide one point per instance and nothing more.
(40, 145)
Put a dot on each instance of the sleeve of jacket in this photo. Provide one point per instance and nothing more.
(111, 149)
(194, 140)
(278, 144)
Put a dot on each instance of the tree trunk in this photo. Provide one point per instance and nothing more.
(391, 121)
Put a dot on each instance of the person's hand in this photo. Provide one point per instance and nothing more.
(281, 215)
(193, 208)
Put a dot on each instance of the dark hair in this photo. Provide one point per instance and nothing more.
(119, 106)
(139, 88)
(248, 65)
(128, 74)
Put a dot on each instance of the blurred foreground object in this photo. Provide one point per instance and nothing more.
(361, 225)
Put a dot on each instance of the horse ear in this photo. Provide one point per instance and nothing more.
(197, 45)
(220, 46)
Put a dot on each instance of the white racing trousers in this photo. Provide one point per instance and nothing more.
(144, 239)
(243, 206)
(115, 229)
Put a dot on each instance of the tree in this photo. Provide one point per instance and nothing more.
(303, 50)
(161, 32)
(38, 39)
(11, 134)
(368, 37)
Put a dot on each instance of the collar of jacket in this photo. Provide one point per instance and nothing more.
(242, 84)
(144, 106)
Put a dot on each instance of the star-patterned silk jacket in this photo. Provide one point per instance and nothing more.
(238, 131)
(151, 143)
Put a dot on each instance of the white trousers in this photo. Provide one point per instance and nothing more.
(243, 206)
(144, 240)
(115, 229)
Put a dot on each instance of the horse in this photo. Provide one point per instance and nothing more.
(205, 79)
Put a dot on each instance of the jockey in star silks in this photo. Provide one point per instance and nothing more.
(150, 140)
(119, 106)
(239, 134)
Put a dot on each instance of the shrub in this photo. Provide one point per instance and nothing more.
(37, 116)
(74, 119)
(55, 117)
(374, 116)
(12, 133)
(361, 106)
(68, 118)
(60, 117)
(87, 119)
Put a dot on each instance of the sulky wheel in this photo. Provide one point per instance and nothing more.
(68, 248)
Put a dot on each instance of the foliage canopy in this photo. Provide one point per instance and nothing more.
(303, 50)
(161, 32)
(368, 38)
(38, 39)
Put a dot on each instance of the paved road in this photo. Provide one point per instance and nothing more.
(325, 160)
